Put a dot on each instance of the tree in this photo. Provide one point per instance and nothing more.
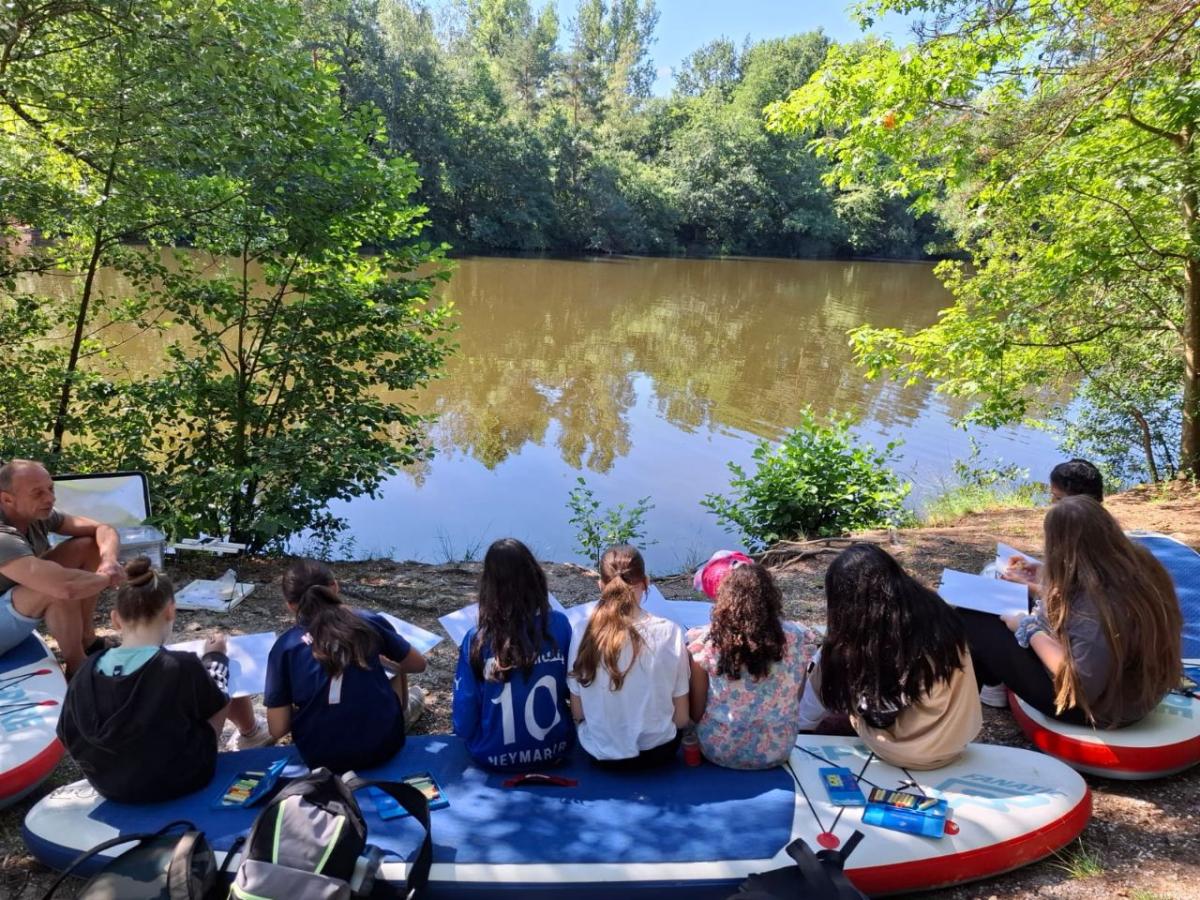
(1058, 137)
(715, 66)
(199, 122)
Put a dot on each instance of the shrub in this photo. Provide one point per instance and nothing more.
(596, 530)
(978, 488)
(819, 482)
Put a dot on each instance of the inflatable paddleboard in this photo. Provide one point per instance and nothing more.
(680, 831)
(1183, 563)
(1165, 742)
(32, 688)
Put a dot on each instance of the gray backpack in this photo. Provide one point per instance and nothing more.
(311, 842)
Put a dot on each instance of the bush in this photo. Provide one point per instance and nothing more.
(980, 488)
(597, 530)
(819, 482)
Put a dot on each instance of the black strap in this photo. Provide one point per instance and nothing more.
(180, 868)
(137, 839)
(417, 805)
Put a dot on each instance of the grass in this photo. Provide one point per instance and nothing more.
(1080, 862)
(451, 554)
(958, 500)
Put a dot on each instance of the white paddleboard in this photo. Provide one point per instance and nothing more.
(1165, 742)
(32, 688)
(1010, 807)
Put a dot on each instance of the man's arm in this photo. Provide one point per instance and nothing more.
(107, 541)
(49, 578)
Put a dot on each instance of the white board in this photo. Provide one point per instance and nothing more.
(118, 500)
(417, 637)
(247, 660)
(684, 613)
(32, 688)
(212, 596)
(459, 622)
(989, 595)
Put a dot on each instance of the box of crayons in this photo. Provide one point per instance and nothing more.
(247, 788)
(910, 813)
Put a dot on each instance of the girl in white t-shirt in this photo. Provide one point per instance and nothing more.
(628, 672)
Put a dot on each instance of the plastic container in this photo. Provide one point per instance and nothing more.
(691, 748)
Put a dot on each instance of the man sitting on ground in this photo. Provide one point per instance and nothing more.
(60, 584)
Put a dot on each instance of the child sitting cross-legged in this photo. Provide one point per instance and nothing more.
(510, 689)
(141, 721)
(326, 679)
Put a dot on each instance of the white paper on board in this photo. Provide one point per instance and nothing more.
(578, 615)
(459, 622)
(417, 637)
(247, 660)
(1004, 553)
(684, 613)
(989, 595)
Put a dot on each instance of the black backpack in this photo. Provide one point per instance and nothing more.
(311, 842)
(164, 865)
(815, 876)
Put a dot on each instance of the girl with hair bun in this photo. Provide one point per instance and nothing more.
(629, 672)
(326, 681)
(748, 670)
(143, 721)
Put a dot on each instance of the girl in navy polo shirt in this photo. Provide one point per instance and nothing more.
(326, 682)
(510, 690)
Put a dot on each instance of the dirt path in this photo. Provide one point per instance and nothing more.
(1143, 842)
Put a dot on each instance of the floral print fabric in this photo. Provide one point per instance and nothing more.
(750, 724)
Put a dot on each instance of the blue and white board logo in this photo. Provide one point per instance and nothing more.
(995, 793)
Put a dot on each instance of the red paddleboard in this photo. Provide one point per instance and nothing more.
(32, 688)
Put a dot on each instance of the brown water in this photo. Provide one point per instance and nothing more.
(646, 376)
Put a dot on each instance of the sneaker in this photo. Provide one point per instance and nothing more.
(259, 737)
(994, 695)
(414, 708)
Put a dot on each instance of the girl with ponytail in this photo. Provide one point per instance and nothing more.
(143, 721)
(628, 672)
(326, 677)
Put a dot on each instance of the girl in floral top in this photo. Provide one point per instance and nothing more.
(748, 670)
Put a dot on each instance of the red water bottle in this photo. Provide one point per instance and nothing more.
(691, 748)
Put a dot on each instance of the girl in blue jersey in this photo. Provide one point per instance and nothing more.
(326, 681)
(510, 690)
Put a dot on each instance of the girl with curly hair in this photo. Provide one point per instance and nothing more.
(748, 670)
(510, 689)
(895, 660)
(628, 672)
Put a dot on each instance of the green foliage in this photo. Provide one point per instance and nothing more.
(1059, 144)
(1079, 861)
(209, 124)
(596, 530)
(820, 481)
(979, 488)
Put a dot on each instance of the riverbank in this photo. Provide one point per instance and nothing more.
(1144, 838)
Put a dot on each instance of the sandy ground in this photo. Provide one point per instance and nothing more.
(1143, 842)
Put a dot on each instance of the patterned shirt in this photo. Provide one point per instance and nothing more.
(751, 724)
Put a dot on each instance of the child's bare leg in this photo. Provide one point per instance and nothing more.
(240, 712)
(400, 686)
(217, 721)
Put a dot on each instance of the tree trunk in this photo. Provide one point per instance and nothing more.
(81, 317)
(1189, 462)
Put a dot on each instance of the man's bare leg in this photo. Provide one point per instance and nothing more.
(81, 553)
(62, 621)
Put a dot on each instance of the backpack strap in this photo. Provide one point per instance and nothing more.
(823, 872)
(180, 868)
(136, 839)
(417, 805)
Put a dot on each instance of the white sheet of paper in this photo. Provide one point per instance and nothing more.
(459, 622)
(206, 595)
(990, 595)
(1004, 553)
(684, 613)
(418, 637)
(247, 660)
(578, 615)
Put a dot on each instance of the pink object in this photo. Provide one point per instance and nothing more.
(691, 749)
(710, 575)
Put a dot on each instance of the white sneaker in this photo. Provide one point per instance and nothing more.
(259, 737)
(994, 695)
(415, 707)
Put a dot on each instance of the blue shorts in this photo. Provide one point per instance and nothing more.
(14, 627)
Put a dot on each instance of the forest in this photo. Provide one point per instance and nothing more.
(532, 134)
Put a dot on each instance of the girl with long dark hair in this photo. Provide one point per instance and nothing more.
(629, 672)
(326, 681)
(895, 661)
(1103, 646)
(748, 669)
(510, 689)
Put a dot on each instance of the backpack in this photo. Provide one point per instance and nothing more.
(311, 842)
(816, 876)
(161, 866)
